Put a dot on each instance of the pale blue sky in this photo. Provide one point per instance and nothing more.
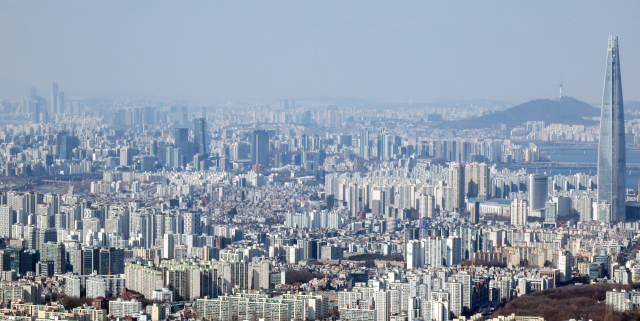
(268, 50)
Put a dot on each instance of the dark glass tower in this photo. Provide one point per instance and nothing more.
(612, 151)
(66, 143)
(260, 148)
(199, 136)
(181, 142)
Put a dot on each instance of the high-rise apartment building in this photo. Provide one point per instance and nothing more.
(456, 182)
(519, 212)
(477, 180)
(168, 244)
(612, 150)
(7, 219)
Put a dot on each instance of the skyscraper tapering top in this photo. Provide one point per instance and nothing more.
(612, 150)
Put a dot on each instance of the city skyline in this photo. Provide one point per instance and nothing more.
(243, 200)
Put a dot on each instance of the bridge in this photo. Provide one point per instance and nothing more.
(593, 166)
(560, 146)
(54, 182)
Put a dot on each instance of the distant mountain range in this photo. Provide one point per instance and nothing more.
(567, 110)
(631, 106)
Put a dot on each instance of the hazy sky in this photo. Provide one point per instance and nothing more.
(267, 50)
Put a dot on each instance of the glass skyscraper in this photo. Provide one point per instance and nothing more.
(260, 148)
(199, 136)
(612, 150)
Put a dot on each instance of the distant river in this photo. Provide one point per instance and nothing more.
(589, 156)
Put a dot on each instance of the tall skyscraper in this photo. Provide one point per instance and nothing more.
(260, 147)
(54, 98)
(199, 136)
(612, 150)
(181, 143)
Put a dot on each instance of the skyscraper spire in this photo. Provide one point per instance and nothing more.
(612, 150)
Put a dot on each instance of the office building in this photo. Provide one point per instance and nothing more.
(147, 164)
(538, 191)
(181, 142)
(66, 143)
(200, 136)
(565, 265)
(260, 148)
(54, 252)
(126, 156)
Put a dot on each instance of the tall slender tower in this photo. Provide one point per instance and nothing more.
(612, 150)
(560, 89)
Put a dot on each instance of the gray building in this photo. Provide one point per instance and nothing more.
(199, 136)
(260, 147)
(538, 191)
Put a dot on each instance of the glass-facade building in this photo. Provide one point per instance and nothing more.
(612, 151)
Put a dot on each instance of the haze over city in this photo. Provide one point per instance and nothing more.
(303, 161)
(250, 50)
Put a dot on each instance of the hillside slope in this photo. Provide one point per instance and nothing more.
(567, 110)
(569, 302)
